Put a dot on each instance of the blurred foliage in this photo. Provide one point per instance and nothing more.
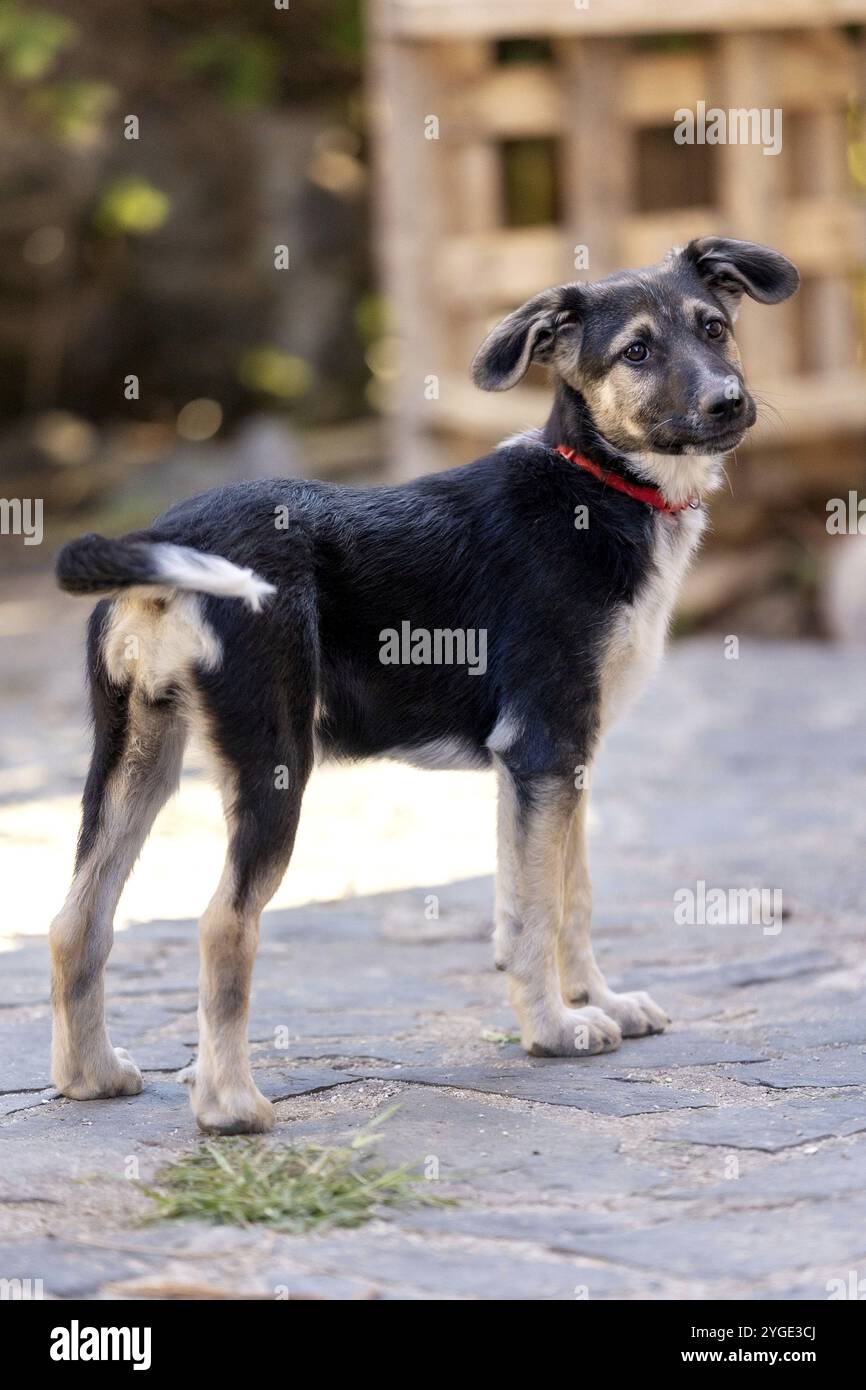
(75, 110)
(30, 40)
(345, 29)
(131, 205)
(244, 67)
(372, 316)
(152, 245)
(275, 373)
(240, 54)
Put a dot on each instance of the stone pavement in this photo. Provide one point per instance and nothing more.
(726, 1158)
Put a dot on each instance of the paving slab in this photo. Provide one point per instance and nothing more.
(809, 1173)
(503, 1150)
(559, 1082)
(66, 1269)
(745, 1246)
(774, 1126)
(829, 1068)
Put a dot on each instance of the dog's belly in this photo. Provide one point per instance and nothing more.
(440, 754)
(446, 753)
(375, 728)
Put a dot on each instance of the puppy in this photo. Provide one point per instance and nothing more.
(497, 615)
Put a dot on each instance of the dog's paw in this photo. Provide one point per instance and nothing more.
(186, 1076)
(571, 1033)
(637, 1014)
(115, 1074)
(242, 1112)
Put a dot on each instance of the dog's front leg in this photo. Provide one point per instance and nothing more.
(582, 981)
(534, 817)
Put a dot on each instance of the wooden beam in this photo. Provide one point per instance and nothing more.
(656, 84)
(516, 101)
(499, 269)
(647, 236)
(828, 309)
(472, 183)
(598, 152)
(814, 72)
(809, 407)
(823, 235)
(751, 189)
(408, 205)
(441, 19)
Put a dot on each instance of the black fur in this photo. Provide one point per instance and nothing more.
(109, 706)
(92, 564)
(492, 546)
(489, 546)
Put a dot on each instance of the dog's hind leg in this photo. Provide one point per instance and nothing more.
(263, 752)
(533, 823)
(582, 981)
(137, 755)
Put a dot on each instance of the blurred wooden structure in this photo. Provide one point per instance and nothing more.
(597, 96)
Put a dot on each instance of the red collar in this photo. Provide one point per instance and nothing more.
(651, 495)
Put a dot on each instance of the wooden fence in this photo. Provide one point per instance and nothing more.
(456, 89)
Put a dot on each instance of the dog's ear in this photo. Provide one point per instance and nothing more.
(734, 268)
(529, 334)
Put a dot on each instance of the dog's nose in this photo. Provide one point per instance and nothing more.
(719, 405)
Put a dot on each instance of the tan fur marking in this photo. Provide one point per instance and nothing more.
(156, 642)
(582, 981)
(223, 1094)
(84, 1064)
(641, 326)
(530, 871)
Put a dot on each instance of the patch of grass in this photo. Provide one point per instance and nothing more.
(493, 1035)
(243, 1182)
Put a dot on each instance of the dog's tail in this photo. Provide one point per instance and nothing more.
(94, 565)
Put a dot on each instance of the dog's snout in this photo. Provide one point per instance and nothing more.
(719, 404)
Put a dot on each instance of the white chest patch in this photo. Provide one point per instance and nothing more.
(637, 641)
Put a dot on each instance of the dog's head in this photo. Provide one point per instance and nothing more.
(651, 352)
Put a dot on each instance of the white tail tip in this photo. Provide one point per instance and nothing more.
(209, 574)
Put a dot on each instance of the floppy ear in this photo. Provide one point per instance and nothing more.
(527, 335)
(734, 268)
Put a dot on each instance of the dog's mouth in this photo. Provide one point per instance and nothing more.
(690, 435)
(720, 442)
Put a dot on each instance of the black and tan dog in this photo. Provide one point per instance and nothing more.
(287, 617)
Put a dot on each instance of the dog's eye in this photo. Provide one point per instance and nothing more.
(636, 352)
(714, 328)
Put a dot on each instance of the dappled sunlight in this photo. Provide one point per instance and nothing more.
(364, 829)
